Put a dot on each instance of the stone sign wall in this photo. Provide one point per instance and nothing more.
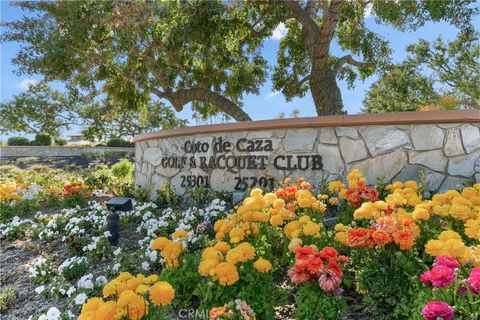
(229, 158)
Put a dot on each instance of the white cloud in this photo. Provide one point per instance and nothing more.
(279, 32)
(26, 83)
(272, 94)
(368, 10)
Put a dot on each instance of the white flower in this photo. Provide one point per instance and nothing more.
(40, 289)
(71, 291)
(80, 298)
(145, 265)
(53, 314)
(101, 280)
(117, 251)
(153, 255)
(116, 267)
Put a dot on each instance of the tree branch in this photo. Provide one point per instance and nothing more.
(293, 85)
(302, 16)
(183, 96)
(349, 59)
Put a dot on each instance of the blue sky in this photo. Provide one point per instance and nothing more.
(267, 104)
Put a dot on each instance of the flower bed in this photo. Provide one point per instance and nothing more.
(392, 255)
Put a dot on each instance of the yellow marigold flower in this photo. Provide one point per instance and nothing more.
(333, 201)
(133, 304)
(206, 266)
(254, 229)
(106, 311)
(262, 265)
(304, 219)
(222, 246)
(292, 229)
(420, 214)
(411, 184)
(180, 233)
(270, 197)
(341, 237)
(160, 243)
(366, 211)
(142, 289)
(162, 293)
(393, 186)
(449, 234)
(133, 283)
(236, 235)
(323, 197)
(212, 253)
(434, 248)
(461, 209)
(276, 220)
(256, 193)
(469, 192)
(286, 180)
(336, 185)
(226, 273)
(340, 227)
(414, 200)
(278, 203)
(151, 279)
(311, 228)
(472, 228)
(476, 186)
(294, 244)
(92, 304)
(109, 289)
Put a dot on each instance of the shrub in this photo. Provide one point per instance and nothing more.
(118, 142)
(43, 139)
(168, 197)
(18, 141)
(313, 303)
(60, 142)
(123, 169)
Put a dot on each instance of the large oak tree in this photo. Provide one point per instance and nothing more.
(209, 52)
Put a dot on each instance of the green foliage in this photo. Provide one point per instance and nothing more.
(167, 196)
(60, 142)
(255, 288)
(137, 193)
(113, 119)
(118, 142)
(201, 196)
(40, 109)
(123, 169)
(20, 209)
(313, 303)
(387, 279)
(75, 270)
(435, 75)
(184, 279)
(42, 139)
(7, 296)
(18, 141)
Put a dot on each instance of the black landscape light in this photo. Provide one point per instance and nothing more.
(113, 219)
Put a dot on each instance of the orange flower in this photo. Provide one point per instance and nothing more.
(358, 238)
(404, 239)
(381, 237)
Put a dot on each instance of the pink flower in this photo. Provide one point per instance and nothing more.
(446, 261)
(442, 276)
(329, 281)
(426, 278)
(474, 280)
(298, 276)
(437, 309)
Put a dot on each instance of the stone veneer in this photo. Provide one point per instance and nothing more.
(448, 153)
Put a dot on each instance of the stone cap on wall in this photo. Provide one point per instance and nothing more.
(442, 116)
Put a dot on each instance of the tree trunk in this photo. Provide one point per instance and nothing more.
(325, 92)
